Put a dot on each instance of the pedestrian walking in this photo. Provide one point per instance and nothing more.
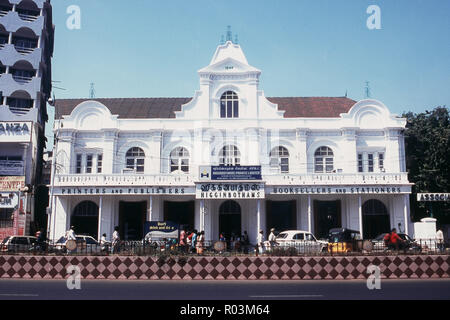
(70, 236)
(104, 243)
(194, 240)
(189, 240)
(115, 246)
(200, 242)
(272, 238)
(260, 243)
(440, 240)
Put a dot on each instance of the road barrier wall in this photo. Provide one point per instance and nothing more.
(225, 268)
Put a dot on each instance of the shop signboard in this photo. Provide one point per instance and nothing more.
(433, 197)
(161, 229)
(230, 173)
(15, 131)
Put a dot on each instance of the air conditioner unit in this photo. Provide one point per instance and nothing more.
(128, 171)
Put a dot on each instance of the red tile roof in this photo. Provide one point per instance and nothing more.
(144, 108)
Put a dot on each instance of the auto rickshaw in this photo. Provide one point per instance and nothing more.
(342, 240)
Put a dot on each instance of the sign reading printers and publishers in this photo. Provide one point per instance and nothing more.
(230, 173)
(161, 229)
(230, 191)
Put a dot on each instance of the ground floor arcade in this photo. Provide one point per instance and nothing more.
(98, 214)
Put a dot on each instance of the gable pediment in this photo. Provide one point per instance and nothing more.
(229, 66)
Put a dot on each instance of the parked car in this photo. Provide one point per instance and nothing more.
(302, 241)
(85, 244)
(18, 244)
(411, 244)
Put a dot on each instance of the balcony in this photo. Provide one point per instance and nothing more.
(103, 180)
(99, 180)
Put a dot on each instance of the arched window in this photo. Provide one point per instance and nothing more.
(230, 221)
(179, 160)
(323, 160)
(85, 219)
(279, 157)
(135, 159)
(229, 105)
(376, 219)
(230, 156)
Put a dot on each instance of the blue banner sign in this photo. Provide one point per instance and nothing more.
(235, 173)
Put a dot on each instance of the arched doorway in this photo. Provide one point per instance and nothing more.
(85, 219)
(375, 219)
(230, 219)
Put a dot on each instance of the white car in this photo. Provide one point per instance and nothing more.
(303, 241)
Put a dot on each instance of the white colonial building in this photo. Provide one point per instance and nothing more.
(229, 160)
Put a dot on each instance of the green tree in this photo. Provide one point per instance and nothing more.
(427, 146)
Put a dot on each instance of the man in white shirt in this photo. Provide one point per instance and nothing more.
(70, 235)
(115, 241)
(440, 240)
(272, 238)
(260, 242)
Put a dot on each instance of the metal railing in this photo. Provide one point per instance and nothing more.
(216, 248)
(19, 111)
(28, 17)
(21, 79)
(24, 50)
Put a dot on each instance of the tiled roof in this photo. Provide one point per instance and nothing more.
(143, 108)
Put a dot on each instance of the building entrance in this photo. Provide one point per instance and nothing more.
(281, 215)
(182, 213)
(131, 220)
(327, 216)
(230, 222)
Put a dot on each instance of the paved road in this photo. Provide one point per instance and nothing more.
(224, 290)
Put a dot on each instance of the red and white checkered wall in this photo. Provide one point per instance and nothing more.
(225, 268)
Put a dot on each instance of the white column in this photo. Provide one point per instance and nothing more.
(405, 213)
(150, 209)
(309, 214)
(109, 150)
(299, 160)
(100, 218)
(202, 215)
(360, 217)
(258, 217)
(392, 157)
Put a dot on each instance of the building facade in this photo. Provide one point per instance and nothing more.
(26, 48)
(229, 160)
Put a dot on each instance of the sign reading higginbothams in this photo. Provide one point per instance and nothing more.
(230, 191)
(15, 131)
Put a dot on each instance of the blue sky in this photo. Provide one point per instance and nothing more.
(153, 48)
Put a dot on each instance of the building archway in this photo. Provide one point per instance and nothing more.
(85, 219)
(230, 219)
(376, 219)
